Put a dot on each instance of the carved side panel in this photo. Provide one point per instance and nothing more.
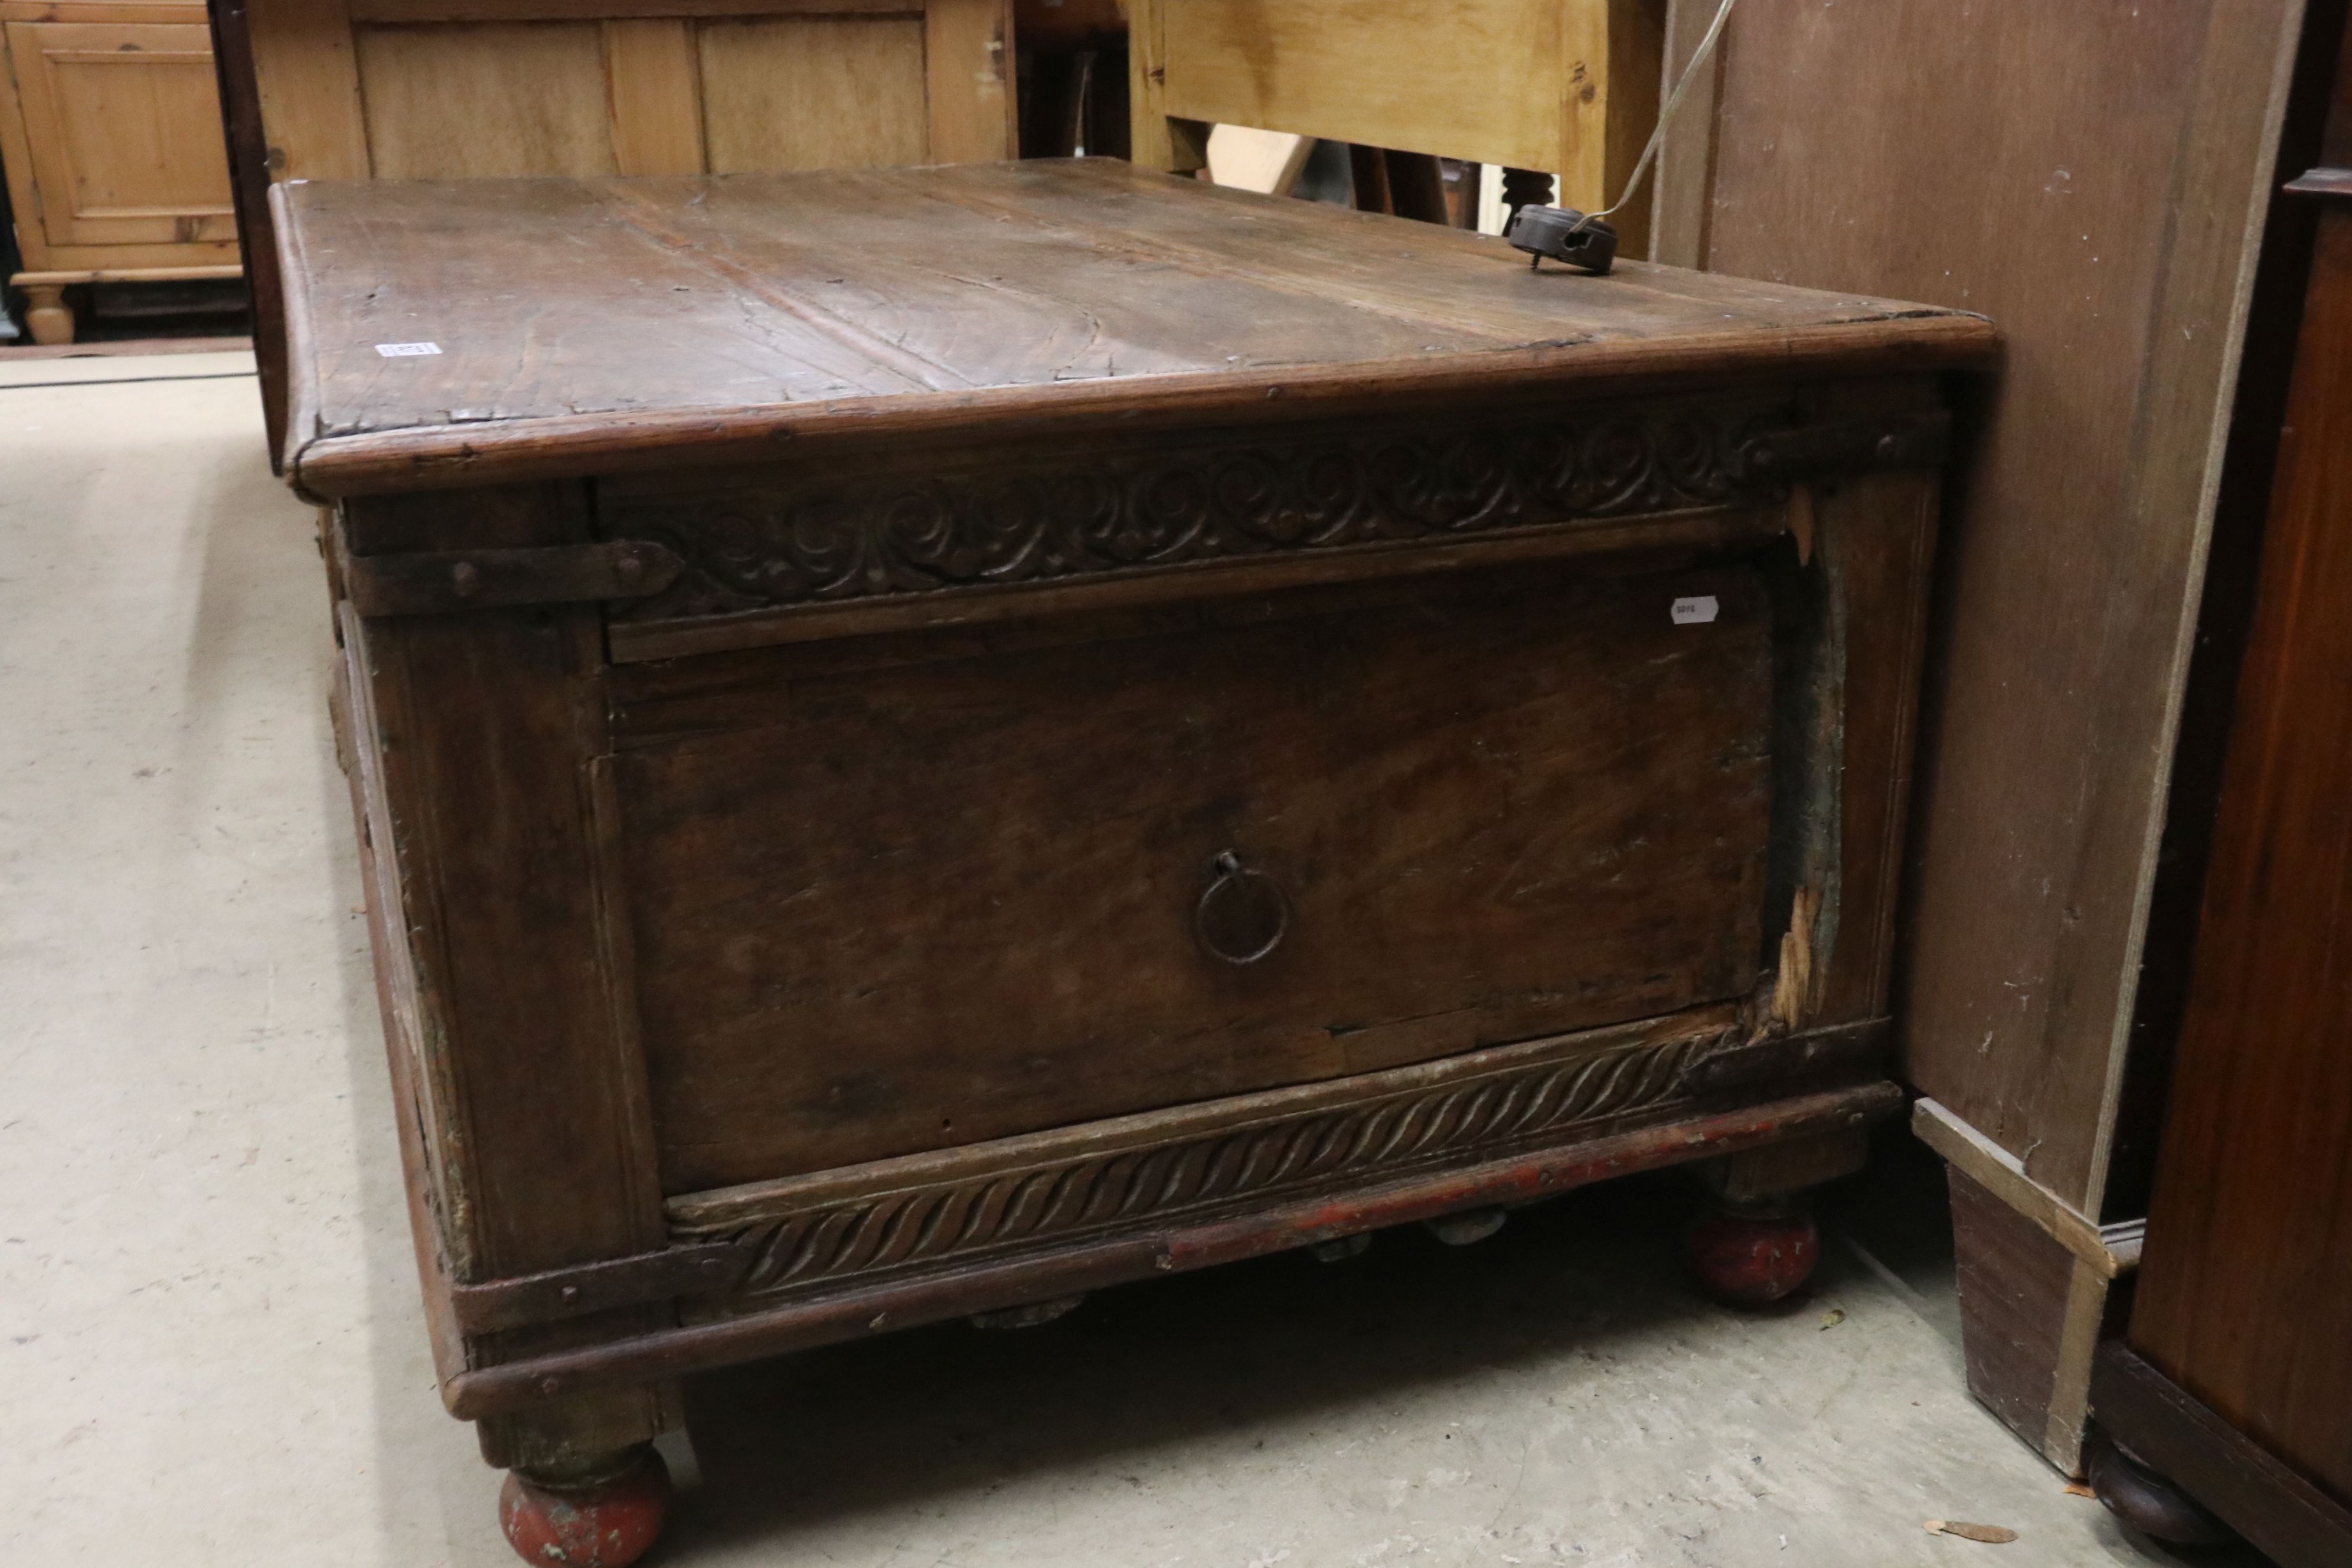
(785, 539)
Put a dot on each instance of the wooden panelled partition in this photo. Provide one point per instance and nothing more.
(450, 89)
(398, 90)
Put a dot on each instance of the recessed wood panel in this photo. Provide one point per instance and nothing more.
(125, 132)
(1492, 812)
(469, 102)
(815, 93)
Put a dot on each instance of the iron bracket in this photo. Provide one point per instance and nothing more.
(1847, 446)
(439, 583)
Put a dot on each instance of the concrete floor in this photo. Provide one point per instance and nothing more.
(210, 1343)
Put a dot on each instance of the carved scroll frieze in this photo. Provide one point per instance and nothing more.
(1050, 1203)
(825, 541)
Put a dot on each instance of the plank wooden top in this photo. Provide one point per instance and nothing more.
(597, 326)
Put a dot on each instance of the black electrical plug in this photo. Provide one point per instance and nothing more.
(1564, 235)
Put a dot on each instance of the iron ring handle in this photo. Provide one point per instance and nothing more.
(1235, 879)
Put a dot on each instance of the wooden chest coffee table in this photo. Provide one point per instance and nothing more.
(931, 741)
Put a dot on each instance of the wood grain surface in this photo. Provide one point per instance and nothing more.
(2275, 1506)
(2246, 1288)
(1494, 814)
(1354, 734)
(122, 138)
(1568, 87)
(610, 325)
(2093, 178)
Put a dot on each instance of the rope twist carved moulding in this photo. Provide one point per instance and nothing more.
(1063, 1201)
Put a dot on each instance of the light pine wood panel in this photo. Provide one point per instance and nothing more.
(164, 262)
(813, 93)
(461, 101)
(656, 86)
(473, 88)
(967, 55)
(306, 74)
(1160, 140)
(102, 11)
(1265, 160)
(610, 10)
(1522, 82)
(1363, 71)
(123, 123)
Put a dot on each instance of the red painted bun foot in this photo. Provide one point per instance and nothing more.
(608, 1521)
(1754, 1259)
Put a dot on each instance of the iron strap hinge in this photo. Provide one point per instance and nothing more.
(438, 583)
(1848, 446)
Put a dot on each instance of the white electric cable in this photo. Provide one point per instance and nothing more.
(1666, 112)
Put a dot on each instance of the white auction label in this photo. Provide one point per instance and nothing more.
(407, 351)
(1694, 611)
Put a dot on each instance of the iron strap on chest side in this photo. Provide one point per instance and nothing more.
(631, 569)
(429, 583)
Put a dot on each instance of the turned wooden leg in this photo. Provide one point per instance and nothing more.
(47, 314)
(2144, 1499)
(1758, 1243)
(604, 1513)
(1752, 1255)
(584, 1487)
(1525, 188)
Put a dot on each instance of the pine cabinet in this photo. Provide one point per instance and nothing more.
(110, 131)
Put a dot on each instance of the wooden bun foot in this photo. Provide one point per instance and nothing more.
(47, 314)
(1340, 1248)
(1747, 1257)
(602, 1520)
(2144, 1499)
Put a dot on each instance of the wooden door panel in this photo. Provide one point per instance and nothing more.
(466, 101)
(126, 138)
(813, 92)
(882, 911)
